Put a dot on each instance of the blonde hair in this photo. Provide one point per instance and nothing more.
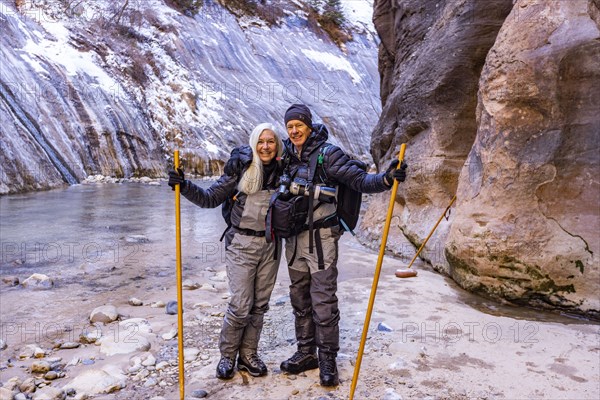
(252, 178)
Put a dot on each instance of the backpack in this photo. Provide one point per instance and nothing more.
(348, 200)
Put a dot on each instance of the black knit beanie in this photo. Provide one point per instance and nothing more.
(299, 112)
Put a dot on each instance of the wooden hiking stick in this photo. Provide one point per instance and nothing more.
(386, 230)
(179, 284)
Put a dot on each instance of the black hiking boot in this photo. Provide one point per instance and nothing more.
(328, 370)
(300, 362)
(225, 368)
(252, 364)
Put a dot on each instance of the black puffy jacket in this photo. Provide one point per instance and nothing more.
(336, 164)
(223, 190)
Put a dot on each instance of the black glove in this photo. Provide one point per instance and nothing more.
(395, 173)
(176, 178)
(240, 159)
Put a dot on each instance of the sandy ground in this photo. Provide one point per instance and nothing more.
(439, 342)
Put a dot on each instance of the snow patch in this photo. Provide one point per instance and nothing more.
(333, 63)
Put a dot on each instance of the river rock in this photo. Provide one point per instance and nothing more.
(69, 345)
(148, 360)
(38, 282)
(124, 342)
(172, 308)
(391, 394)
(10, 280)
(137, 239)
(49, 393)
(135, 302)
(527, 222)
(40, 367)
(188, 284)
(170, 335)
(190, 354)
(28, 386)
(39, 353)
(89, 337)
(208, 287)
(158, 304)
(199, 394)
(3, 345)
(20, 396)
(51, 375)
(104, 314)
(28, 351)
(96, 381)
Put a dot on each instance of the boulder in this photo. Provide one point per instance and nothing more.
(104, 314)
(38, 282)
(527, 222)
(96, 381)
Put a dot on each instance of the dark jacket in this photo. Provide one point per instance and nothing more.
(224, 189)
(336, 164)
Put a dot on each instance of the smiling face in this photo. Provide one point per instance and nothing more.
(298, 132)
(266, 146)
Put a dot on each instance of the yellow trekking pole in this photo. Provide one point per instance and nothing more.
(179, 284)
(386, 230)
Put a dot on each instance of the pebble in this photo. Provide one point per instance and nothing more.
(3, 345)
(208, 287)
(170, 335)
(199, 394)
(150, 382)
(51, 375)
(158, 304)
(88, 361)
(172, 308)
(291, 377)
(135, 302)
(162, 365)
(190, 285)
(150, 360)
(295, 391)
(383, 327)
(70, 345)
(20, 396)
(137, 239)
(203, 304)
(39, 353)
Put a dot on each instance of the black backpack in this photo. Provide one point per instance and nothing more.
(348, 200)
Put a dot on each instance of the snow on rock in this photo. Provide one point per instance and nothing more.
(92, 92)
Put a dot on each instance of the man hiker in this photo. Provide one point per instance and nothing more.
(312, 254)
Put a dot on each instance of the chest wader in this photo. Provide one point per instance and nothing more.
(252, 265)
(314, 236)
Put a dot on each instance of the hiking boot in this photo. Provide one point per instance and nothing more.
(328, 372)
(225, 368)
(300, 362)
(252, 364)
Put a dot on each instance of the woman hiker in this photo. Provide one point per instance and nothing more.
(250, 177)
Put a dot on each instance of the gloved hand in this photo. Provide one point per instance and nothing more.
(395, 173)
(240, 159)
(176, 177)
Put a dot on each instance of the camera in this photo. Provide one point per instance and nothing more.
(325, 194)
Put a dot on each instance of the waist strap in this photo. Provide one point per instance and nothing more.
(322, 224)
(249, 232)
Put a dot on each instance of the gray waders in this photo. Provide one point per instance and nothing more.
(252, 266)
